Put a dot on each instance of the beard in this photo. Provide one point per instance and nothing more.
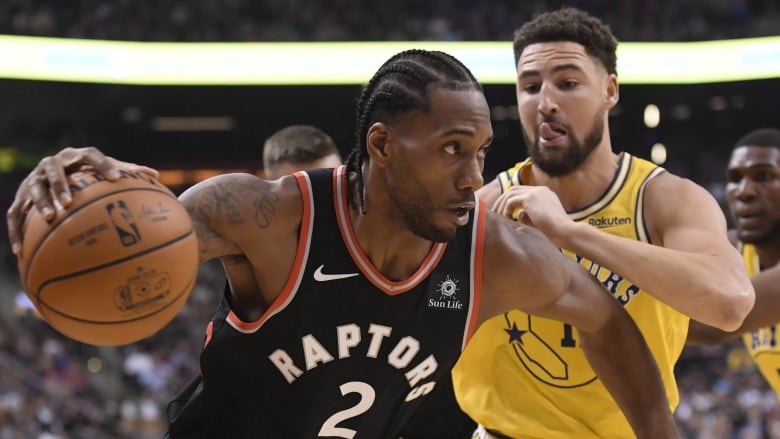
(415, 205)
(557, 164)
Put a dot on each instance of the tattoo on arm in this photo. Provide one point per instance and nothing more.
(231, 202)
(265, 205)
(224, 200)
(204, 233)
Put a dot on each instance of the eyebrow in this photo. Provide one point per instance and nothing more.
(556, 69)
(760, 166)
(468, 133)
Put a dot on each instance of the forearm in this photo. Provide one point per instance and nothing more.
(620, 357)
(710, 288)
(701, 334)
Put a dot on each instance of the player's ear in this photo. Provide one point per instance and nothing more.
(378, 143)
(611, 91)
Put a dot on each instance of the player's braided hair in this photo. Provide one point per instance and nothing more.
(400, 85)
(570, 24)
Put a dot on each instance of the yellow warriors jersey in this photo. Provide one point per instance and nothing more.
(527, 377)
(762, 344)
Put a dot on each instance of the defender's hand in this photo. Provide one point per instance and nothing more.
(536, 206)
(46, 186)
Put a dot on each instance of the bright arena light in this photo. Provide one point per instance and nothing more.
(652, 116)
(327, 63)
(658, 154)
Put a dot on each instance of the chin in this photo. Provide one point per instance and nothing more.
(752, 237)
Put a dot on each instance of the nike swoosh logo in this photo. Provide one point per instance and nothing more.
(319, 276)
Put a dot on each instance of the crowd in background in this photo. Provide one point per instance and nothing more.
(55, 388)
(350, 20)
(51, 387)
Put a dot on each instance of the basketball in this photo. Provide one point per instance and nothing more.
(116, 266)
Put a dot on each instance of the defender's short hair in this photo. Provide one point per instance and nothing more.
(769, 137)
(297, 144)
(570, 24)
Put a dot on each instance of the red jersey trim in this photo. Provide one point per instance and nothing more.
(477, 263)
(299, 264)
(364, 264)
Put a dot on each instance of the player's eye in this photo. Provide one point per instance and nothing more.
(452, 148)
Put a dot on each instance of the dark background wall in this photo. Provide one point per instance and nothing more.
(38, 118)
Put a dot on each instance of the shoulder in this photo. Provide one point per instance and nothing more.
(240, 188)
(666, 184)
(503, 181)
(669, 192)
(671, 201)
(244, 201)
(490, 192)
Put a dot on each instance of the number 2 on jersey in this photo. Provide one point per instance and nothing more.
(367, 394)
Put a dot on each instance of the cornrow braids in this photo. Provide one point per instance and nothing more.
(399, 86)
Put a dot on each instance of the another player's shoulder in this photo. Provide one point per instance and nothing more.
(503, 181)
(490, 192)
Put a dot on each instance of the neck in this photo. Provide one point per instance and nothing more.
(768, 253)
(382, 233)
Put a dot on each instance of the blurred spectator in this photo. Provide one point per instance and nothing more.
(347, 20)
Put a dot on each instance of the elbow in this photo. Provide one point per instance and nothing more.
(735, 310)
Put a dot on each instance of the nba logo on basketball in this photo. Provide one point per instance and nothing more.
(123, 223)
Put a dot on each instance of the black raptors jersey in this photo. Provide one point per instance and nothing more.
(343, 352)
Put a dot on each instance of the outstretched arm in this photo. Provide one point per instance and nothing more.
(692, 267)
(524, 270)
(766, 311)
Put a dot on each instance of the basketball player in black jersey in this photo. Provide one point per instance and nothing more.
(371, 277)
(286, 151)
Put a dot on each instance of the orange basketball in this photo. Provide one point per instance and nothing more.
(117, 265)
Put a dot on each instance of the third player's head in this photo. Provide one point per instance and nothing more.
(423, 127)
(566, 85)
(298, 147)
(753, 186)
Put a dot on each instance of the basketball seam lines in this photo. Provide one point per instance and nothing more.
(97, 322)
(108, 264)
(54, 225)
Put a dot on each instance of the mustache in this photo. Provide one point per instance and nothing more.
(465, 199)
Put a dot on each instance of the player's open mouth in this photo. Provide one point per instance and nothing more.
(461, 214)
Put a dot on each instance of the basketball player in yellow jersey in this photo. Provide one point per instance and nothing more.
(753, 194)
(656, 241)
